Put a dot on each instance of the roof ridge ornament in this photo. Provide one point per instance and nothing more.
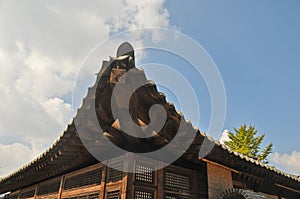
(124, 60)
(125, 49)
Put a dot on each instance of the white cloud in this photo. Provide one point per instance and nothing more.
(44, 76)
(42, 45)
(224, 136)
(53, 107)
(288, 162)
(137, 14)
(24, 118)
(14, 155)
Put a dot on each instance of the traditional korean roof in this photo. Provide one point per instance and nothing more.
(68, 152)
(257, 162)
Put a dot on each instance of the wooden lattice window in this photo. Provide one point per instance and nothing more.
(144, 172)
(115, 173)
(14, 196)
(177, 182)
(94, 196)
(85, 196)
(113, 195)
(27, 194)
(47, 188)
(143, 194)
(48, 197)
(88, 178)
(174, 196)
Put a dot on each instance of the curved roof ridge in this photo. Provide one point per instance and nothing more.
(252, 160)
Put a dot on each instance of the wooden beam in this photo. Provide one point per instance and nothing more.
(220, 165)
(288, 188)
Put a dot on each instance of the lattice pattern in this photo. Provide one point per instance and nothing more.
(171, 197)
(89, 178)
(174, 196)
(86, 196)
(27, 194)
(116, 175)
(47, 197)
(177, 182)
(142, 194)
(144, 173)
(13, 196)
(49, 188)
(113, 195)
(94, 196)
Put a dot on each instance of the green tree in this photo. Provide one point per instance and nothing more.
(245, 142)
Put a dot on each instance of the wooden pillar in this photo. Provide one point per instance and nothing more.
(129, 187)
(160, 182)
(61, 186)
(36, 191)
(124, 186)
(103, 182)
(196, 184)
(19, 194)
(130, 163)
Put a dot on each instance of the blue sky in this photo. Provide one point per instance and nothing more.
(254, 44)
(256, 47)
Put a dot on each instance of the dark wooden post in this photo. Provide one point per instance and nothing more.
(61, 186)
(196, 184)
(19, 194)
(130, 163)
(103, 182)
(160, 180)
(36, 191)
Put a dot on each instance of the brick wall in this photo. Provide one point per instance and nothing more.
(219, 179)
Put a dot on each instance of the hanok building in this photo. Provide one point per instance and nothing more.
(67, 170)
